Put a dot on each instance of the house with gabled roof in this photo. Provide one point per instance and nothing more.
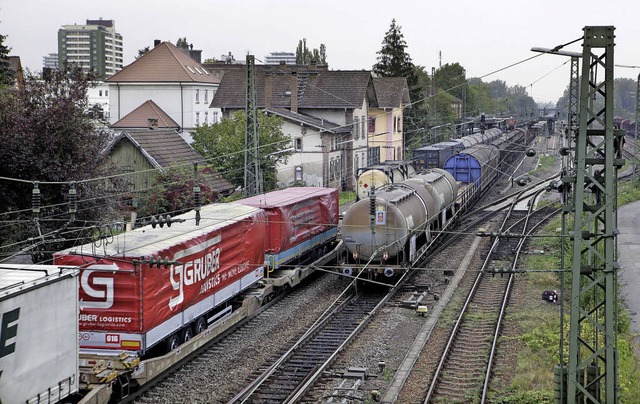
(384, 128)
(178, 85)
(325, 114)
(148, 115)
(145, 152)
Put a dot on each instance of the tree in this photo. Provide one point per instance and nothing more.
(49, 133)
(452, 79)
(393, 60)
(223, 145)
(6, 75)
(173, 191)
(142, 52)
(304, 56)
(182, 43)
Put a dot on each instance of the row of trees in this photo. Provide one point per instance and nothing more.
(432, 95)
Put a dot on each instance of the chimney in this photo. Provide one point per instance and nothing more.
(152, 123)
(294, 92)
(268, 89)
(156, 42)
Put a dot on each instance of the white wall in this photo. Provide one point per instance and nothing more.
(99, 95)
(310, 158)
(179, 102)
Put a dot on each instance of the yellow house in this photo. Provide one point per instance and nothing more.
(385, 136)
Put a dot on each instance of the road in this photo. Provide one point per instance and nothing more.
(629, 260)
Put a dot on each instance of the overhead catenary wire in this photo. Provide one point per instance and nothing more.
(242, 151)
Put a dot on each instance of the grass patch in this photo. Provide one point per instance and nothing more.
(346, 197)
(539, 321)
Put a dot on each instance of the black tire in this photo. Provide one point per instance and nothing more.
(201, 325)
(173, 342)
(186, 334)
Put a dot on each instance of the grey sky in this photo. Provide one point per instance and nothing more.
(483, 36)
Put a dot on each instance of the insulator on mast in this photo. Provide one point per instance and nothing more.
(196, 194)
(73, 200)
(35, 199)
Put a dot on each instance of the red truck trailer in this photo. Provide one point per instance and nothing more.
(131, 302)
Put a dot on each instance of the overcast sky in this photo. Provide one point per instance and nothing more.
(483, 36)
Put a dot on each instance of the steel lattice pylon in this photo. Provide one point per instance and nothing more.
(252, 180)
(592, 369)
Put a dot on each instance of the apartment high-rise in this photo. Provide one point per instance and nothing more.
(95, 44)
(50, 61)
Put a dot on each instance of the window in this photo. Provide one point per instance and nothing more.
(100, 93)
(106, 93)
(197, 118)
(372, 124)
(356, 165)
(363, 120)
(206, 117)
(206, 96)
(214, 118)
(197, 96)
(298, 144)
(356, 128)
(298, 173)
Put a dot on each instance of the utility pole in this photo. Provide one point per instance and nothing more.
(252, 179)
(593, 367)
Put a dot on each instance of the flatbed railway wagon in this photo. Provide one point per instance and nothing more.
(38, 334)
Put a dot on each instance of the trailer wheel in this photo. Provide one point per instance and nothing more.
(186, 334)
(173, 342)
(201, 325)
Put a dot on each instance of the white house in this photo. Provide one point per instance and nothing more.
(99, 95)
(176, 83)
(325, 114)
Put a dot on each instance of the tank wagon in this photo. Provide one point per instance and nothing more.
(39, 334)
(485, 137)
(377, 175)
(145, 292)
(433, 156)
(386, 233)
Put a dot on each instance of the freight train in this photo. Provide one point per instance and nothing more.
(387, 233)
(433, 156)
(137, 296)
(387, 172)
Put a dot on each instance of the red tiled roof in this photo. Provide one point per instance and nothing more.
(167, 64)
(139, 117)
(315, 89)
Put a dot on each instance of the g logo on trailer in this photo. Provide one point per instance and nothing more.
(103, 294)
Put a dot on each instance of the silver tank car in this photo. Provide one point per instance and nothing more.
(397, 212)
(438, 189)
(397, 215)
(379, 175)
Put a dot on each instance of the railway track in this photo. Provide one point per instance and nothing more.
(464, 370)
(294, 372)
